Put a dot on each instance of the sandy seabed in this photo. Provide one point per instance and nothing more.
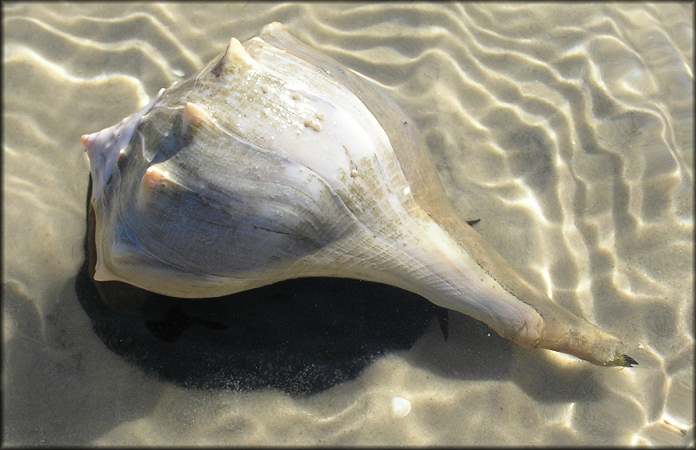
(566, 128)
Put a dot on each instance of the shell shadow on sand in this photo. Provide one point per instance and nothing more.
(300, 336)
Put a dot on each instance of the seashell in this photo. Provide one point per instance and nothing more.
(275, 162)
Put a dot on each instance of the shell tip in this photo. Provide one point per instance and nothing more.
(153, 179)
(193, 115)
(237, 55)
(88, 141)
(85, 141)
(271, 27)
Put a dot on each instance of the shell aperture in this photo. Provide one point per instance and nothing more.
(275, 162)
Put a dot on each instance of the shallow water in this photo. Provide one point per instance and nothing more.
(567, 129)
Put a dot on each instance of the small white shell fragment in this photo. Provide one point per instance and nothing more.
(400, 407)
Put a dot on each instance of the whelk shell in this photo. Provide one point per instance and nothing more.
(275, 162)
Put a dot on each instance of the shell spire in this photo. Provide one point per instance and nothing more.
(104, 147)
